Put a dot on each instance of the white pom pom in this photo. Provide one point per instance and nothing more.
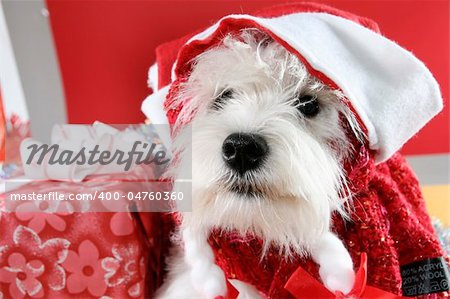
(206, 276)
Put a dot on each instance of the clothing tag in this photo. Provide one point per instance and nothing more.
(425, 277)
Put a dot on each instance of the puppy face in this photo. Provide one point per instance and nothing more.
(267, 143)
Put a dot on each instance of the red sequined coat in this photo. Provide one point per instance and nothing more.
(390, 223)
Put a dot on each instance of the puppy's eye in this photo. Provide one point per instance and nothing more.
(220, 100)
(308, 105)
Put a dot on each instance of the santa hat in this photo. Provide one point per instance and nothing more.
(392, 92)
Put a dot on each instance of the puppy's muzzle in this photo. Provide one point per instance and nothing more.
(243, 152)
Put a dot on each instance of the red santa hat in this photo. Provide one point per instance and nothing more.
(392, 94)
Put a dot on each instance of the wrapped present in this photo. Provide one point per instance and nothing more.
(82, 249)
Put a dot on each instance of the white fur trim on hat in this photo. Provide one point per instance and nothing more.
(153, 77)
(153, 108)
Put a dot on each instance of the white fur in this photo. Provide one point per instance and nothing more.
(302, 181)
(193, 272)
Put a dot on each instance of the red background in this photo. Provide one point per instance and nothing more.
(106, 47)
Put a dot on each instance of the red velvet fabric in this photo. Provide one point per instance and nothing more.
(166, 58)
(167, 53)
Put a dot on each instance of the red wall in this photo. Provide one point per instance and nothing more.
(106, 47)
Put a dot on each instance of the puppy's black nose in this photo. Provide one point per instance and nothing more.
(244, 152)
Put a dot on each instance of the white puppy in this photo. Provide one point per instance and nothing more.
(267, 143)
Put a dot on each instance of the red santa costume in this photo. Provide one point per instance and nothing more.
(392, 94)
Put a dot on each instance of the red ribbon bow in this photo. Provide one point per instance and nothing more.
(302, 285)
